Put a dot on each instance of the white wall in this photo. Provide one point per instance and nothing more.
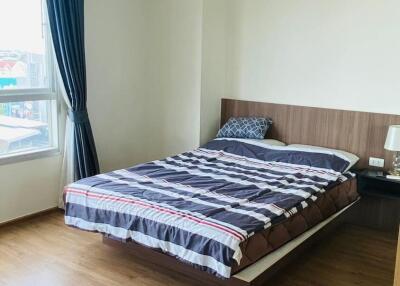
(214, 64)
(341, 54)
(173, 73)
(115, 33)
(144, 65)
(28, 187)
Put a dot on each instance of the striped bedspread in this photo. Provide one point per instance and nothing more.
(200, 205)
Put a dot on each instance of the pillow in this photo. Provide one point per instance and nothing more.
(271, 142)
(352, 158)
(245, 127)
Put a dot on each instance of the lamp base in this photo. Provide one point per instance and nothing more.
(396, 165)
(391, 177)
(395, 173)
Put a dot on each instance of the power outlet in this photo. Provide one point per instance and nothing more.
(376, 162)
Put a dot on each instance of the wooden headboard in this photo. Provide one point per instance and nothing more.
(361, 133)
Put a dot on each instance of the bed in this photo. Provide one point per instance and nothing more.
(223, 211)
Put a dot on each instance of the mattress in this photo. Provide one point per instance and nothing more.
(209, 206)
(264, 242)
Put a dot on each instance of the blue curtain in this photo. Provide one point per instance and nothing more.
(66, 19)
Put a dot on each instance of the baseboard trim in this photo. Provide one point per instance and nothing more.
(30, 216)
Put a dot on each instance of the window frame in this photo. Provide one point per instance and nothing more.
(50, 94)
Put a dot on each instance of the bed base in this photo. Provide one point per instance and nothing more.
(256, 274)
(169, 265)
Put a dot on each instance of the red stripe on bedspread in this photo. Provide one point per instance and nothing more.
(163, 210)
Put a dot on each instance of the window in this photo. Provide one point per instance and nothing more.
(28, 98)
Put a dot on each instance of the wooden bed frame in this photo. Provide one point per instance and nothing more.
(167, 264)
(361, 133)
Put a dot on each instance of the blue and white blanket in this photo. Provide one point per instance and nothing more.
(200, 205)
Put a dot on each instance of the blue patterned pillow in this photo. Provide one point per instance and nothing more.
(245, 127)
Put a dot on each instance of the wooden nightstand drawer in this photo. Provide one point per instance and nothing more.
(374, 183)
(380, 202)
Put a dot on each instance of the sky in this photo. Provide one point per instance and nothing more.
(21, 25)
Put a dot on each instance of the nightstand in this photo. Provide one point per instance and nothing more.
(375, 183)
(379, 207)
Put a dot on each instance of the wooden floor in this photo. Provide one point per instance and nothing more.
(42, 251)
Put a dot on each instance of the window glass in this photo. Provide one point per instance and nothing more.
(28, 102)
(23, 62)
(25, 126)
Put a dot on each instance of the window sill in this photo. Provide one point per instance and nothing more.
(29, 155)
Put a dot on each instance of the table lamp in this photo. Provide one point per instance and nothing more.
(393, 144)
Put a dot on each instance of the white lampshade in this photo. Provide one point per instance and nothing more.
(393, 138)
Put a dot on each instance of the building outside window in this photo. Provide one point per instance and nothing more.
(28, 86)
